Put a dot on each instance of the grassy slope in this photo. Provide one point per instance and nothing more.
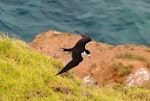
(27, 75)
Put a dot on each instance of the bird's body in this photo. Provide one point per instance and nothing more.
(76, 51)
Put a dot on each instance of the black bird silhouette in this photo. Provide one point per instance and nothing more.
(77, 52)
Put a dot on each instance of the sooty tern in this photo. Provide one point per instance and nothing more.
(77, 51)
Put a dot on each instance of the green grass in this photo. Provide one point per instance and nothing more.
(131, 56)
(147, 50)
(123, 69)
(28, 76)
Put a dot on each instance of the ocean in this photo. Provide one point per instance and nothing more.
(114, 22)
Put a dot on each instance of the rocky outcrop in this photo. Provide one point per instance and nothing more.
(109, 64)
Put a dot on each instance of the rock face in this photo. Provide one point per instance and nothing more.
(109, 64)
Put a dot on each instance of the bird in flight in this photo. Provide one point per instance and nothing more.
(77, 51)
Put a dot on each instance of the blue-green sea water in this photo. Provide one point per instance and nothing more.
(109, 21)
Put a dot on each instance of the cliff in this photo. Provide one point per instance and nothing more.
(125, 64)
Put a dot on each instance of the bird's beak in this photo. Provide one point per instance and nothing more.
(89, 56)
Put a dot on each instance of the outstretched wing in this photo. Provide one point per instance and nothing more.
(77, 58)
(67, 49)
(70, 65)
(85, 39)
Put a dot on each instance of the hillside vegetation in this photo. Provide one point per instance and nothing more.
(29, 76)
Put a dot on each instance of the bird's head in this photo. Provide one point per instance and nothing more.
(87, 53)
